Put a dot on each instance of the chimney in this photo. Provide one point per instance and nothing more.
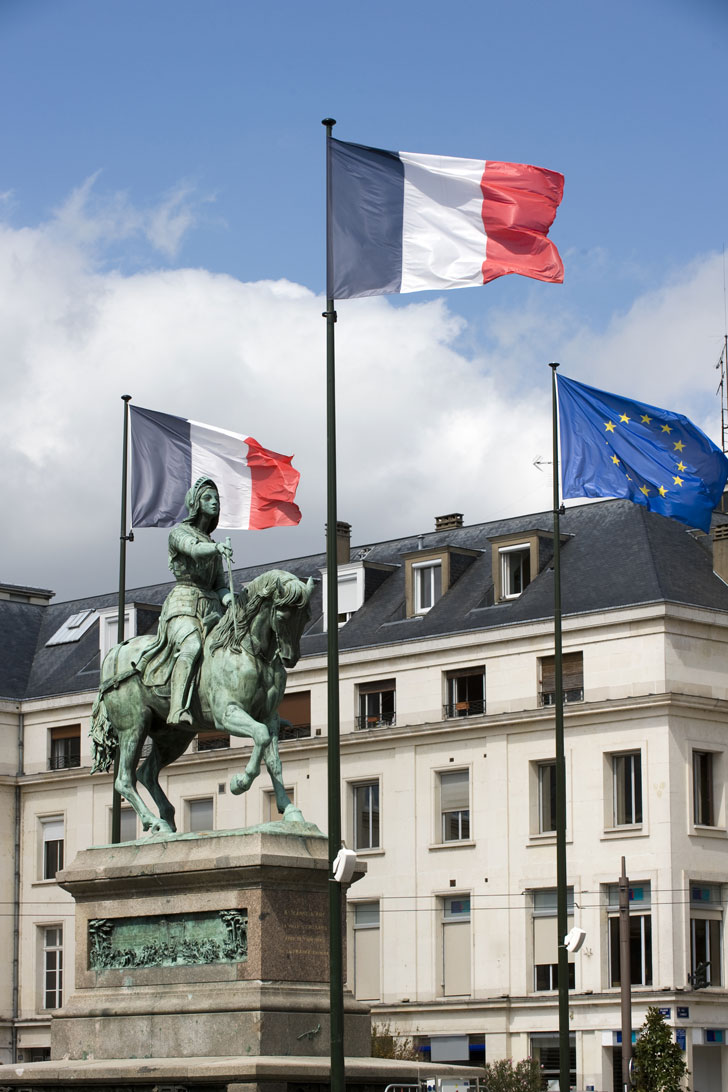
(343, 542)
(449, 523)
(720, 551)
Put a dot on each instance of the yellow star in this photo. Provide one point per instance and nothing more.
(623, 417)
(681, 467)
(609, 426)
(645, 419)
(615, 460)
(678, 445)
(662, 491)
(677, 480)
(644, 489)
(666, 428)
(628, 478)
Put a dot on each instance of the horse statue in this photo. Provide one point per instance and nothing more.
(242, 678)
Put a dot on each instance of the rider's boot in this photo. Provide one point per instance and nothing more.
(179, 688)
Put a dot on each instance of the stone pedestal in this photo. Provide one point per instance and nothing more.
(205, 945)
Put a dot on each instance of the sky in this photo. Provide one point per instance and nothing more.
(162, 235)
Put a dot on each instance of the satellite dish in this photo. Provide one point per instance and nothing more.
(574, 939)
(344, 865)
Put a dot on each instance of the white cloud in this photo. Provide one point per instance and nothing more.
(424, 427)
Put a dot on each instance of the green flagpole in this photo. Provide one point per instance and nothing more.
(561, 890)
(336, 961)
(124, 538)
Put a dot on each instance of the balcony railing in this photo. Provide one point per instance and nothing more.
(64, 762)
(375, 720)
(464, 708)
(213, 743)
(576, 693)
(295, 731)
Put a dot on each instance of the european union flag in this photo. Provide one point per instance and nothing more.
(614, 447)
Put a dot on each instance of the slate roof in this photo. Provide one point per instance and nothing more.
(614, 554)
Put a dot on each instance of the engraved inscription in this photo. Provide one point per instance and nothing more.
(168, 940)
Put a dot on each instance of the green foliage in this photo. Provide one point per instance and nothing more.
(659, 1065)
(504, 1076)
(388, 1043)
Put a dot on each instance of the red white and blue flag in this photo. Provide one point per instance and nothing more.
(404, 222)
(257, 487)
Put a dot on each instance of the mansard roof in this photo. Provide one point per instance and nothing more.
(614, 554)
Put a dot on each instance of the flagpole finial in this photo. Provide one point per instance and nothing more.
(126, 398)
(554, 364)
(329, 122)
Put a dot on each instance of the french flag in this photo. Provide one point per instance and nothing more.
(404, 222)
(257, 487)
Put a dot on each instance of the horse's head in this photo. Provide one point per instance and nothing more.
(290, 611)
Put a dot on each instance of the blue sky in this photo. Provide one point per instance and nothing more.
(163, 161)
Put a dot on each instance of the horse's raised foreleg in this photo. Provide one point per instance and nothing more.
(272, 758)
(167, 745)
(239, 723)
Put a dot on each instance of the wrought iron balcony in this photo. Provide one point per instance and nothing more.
(375, 720)
(470, 708)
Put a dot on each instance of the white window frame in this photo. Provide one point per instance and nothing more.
(627, 787)
(548, 908)
(189, 807)
(707, 911)
(374, 807)
(423, 578)
(444, 813)
(505, 555)
(47, 823)
(704, 755)
(51, 967)
(366, 926)
(640, 911)
(453, 918)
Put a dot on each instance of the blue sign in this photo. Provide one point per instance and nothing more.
(683, 1012)
(665, 1012)
(681, 1038)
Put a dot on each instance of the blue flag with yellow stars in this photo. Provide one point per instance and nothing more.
(614, 447)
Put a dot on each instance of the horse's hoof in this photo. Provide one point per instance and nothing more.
(161, 826)
(292, 814)
(239, 783)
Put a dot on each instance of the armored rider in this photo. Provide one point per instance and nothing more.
(194, 605)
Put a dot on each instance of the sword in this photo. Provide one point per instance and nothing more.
(232, 590)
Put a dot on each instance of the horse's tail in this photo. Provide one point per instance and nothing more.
(104, 739)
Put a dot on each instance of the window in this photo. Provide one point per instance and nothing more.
(366, 951)
(366, 815)
(456, 946)
(572, 676)
(53, 840)
(212, 740)
(640, 934)
(427, 585)
(626, 789)
(546, 938)
(53, 967)
(65, 747)
(465, 692)
(546, 797)
(515, 566)
(703, 795)
(270, 808)
(706, 926)
(295, 708)
(454, 806)
(546, 1051)
(376, 704)
(200, 815)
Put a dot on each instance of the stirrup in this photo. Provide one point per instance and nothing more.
(180, 717)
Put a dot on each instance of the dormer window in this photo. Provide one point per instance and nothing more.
(427, 585)
(515, 564)
(430, 573)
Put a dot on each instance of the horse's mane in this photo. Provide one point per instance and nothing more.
(283, 588)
